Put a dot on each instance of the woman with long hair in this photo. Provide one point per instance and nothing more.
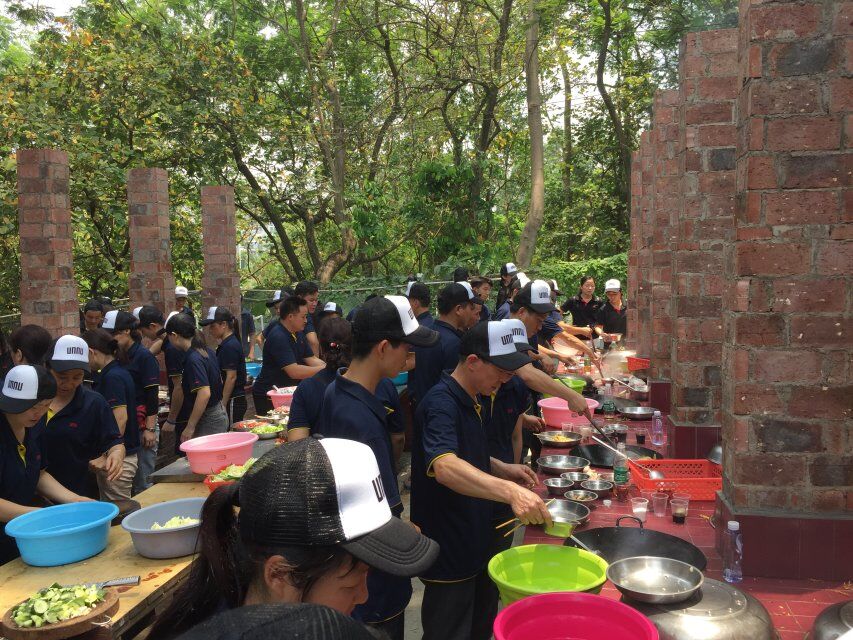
(225, 329)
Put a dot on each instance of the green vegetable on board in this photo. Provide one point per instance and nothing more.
(233, 471)
(56, 604)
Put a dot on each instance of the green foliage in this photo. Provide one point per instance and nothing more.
(569, 274)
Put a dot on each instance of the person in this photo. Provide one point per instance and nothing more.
(115, 385)
(483, 288)
(611, 321)
(28, 344)
(93, 315)
(583, 307)
(310, 292)
(223, 328)
(201, 381)
(382, 331)
(508, 271)
(24, 479)
(503, 310)
(460, 274)
(419, 299)
(329, 310)
(145, 372)
(313, 520)
(458, 310)
(247, 331)
(274, 305)
(287, 356)
(538, 299)
(182, 302)
(352, 311)
(81, 434)
(454, 479)
(290, 621)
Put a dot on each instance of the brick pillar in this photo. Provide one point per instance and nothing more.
(641, 300)
(48, 290)
(787, 399)
(634, 250)
(709, 87)
(221, 281)
(151, 280)
(668, 175)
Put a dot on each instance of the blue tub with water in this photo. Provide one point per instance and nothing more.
(401, 379)
(62, 534)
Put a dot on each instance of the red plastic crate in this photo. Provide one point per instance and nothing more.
(638, 364)
(700, 479)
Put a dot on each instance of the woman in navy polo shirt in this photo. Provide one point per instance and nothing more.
(116, 386)
(81, 434)
(583, 307)
(223, 328)
(201, 381)
(24, 399)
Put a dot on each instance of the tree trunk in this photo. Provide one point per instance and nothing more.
(567, 134)
(536, 212)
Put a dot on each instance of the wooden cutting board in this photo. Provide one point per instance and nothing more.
(66, 629)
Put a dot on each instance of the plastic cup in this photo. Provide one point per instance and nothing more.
(566, 426)
(586, 433)
(679, 510)
(659, 501)
(681, 496)
(640, 436)
(640, 507)
(621, 432)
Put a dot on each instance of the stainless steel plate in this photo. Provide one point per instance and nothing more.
(555, 465)
(653, 579)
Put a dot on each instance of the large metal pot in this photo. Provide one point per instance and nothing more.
(717, 611)
(834, 623)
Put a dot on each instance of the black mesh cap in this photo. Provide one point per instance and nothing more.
(217, 314)
(535, 295)
(293, 621)
(390, 318)
(457, 293)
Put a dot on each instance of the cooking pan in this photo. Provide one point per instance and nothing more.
(616, 543)
(621, 403)
(599, 456)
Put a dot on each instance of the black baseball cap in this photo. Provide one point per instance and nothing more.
(217, 314)
(330, 308)
(164, 329)
(493, 342)
(535, 295)
(117, 320)
(278, 296)
(457, 293)
(149, 314)
(391, 318)
(329, 492)
(281, 621)
(25, 386)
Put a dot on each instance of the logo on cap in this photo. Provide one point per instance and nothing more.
(14, 384)
(378, 489)
(74, 351)
(506, 339)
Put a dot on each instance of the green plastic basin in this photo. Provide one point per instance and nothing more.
(574, 384)
(545, 568)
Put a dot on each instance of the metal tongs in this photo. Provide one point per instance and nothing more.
(654, 474)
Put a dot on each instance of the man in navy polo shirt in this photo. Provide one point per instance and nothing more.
(455, 481)
(419, 297)
(273, 304)
(310, 292)
(382, 331)
(482, 288)
(287, 355)
(458, 310)
(508, 272)
(503, 309)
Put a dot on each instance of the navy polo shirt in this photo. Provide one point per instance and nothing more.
(145, 372)
(502, 312)
(281, 348)
(549, 329)
(505, 406)
(116, 386)
(82, 430)
(611, 320)
(174, 359)
(449, 422)
(247, 328)
(200, 372)
(308, 400)
(230, 356)
(387, 394)
(583, 313)
(431, 361)
(309, 323)
(426, 319)
(485, 314)
(19, 476)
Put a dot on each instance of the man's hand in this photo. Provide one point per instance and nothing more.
(187, 434)
(532, 423)
(168, 426)
(548, 365)
(149, 438)
(97, 464)
(577, 403)
(521, 475)
(529, 508)
(77, 498)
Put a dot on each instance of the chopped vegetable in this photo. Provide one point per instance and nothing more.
(56, 604)
(174, 523)
(232, 471)
(267, 428)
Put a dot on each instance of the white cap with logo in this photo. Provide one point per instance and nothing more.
(70, 352)
(612, 285)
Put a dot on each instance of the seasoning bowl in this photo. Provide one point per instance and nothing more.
(581, 495)
(557, 486)
(602, 487)
(575, 476)
(556, 465)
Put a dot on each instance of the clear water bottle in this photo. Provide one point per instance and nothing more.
(657, 429)
(733, 553)
(620, 466)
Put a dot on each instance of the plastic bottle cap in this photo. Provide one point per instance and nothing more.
(656, 413)
(734, 525)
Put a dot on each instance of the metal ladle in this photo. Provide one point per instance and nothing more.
(654, 474)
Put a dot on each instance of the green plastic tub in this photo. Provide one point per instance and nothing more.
(546, 568)
(573, 383)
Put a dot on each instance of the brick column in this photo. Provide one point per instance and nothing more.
(48, 290)
(787, 399)
(221, 281)
(151, 280)
(632, 336)
(668, 175)
(642, 235)
(709, 87)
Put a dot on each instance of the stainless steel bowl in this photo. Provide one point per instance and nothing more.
(655, 580)
(638, 413)
(575, 477)
(555, 465)
(601, 487)
(559, 439)
(568, 511)
(581, 495)
(557, 486)
(835, 622)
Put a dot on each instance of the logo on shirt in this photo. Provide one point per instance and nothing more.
(72, 425)
(378, 489)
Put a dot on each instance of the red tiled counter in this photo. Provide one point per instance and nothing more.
(793, 604)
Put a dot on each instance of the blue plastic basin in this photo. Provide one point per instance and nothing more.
(62, 534)
(253, 369)
(401, 378)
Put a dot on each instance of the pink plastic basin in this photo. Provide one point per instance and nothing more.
(283, 398)
(572, 616)
(210, 454)
(555, 412)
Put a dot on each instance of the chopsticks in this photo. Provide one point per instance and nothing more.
(511, 520)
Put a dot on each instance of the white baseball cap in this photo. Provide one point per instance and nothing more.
(493, 342)
(24, 387)
(70, 352)
(523, 280)
(332, 307)
(519, 333)
(136, 312)
(508, 269)
(181, 292)
(612, 285)
(163, 330)
(536, 295)
(117, 320)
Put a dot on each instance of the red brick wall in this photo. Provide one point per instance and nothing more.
(151, 280)
(639, 292)
(786, 404)
(48, 290)
(221, 281)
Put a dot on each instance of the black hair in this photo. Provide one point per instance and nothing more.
(183, 325)
(361, 348)
(226, 567)
(103, 341)
(420, 293)
(370, 296)
(233, 323)
(33, 341)
(584, 280)
(479, 281)
(149, 314)
(305, 288)
(335, 337)
(94, 305)
(290, 305)
(460, 274)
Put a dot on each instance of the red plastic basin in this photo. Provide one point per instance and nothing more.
(555, 411)
(572, 616)
(211, 454)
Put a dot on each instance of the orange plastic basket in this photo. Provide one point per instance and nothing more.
(700, 479)
(638, 364)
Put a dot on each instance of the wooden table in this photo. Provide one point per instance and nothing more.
(159, 577)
